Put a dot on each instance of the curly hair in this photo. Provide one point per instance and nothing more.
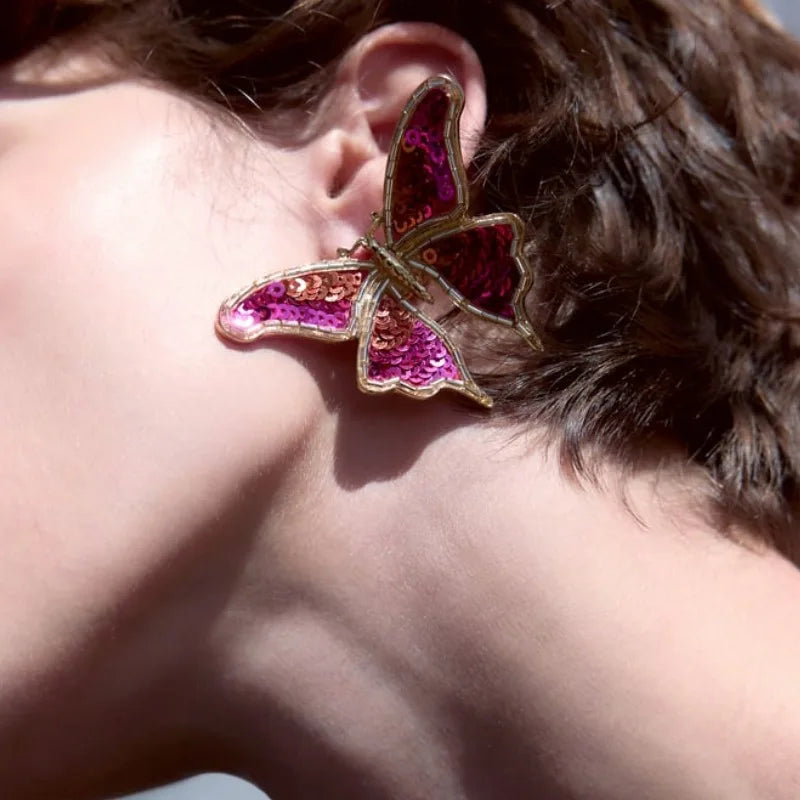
(652, 149)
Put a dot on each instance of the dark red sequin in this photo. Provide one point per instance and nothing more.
(478, 264)
(424, 183)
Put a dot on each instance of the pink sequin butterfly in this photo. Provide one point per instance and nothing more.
(428, 234)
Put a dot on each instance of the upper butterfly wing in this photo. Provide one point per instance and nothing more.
(403, 350)
(425, 180)
(319, 300)
(481, 266)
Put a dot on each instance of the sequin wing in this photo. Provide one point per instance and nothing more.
(403, 350)
(425, 179)
(320, 300)
(481, 266)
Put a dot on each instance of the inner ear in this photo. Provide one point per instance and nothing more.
(350, 161)
(387, 66)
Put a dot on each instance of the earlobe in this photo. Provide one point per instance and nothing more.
(373, 84)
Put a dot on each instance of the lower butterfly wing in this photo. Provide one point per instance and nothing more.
(405, 351)
(480, 264)
(320, 301)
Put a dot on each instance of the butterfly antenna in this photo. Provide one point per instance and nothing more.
(377, 220)
(362, 241)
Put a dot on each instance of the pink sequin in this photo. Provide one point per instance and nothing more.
(323, 299)
(416, 355)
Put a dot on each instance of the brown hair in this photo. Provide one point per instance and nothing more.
(653, 150)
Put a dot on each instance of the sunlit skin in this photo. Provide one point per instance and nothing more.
(225, 558)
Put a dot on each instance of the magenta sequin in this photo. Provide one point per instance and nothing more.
(479, 265)
(424, 184)
(323, 299)
(403, 347)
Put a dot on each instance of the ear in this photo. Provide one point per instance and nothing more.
(373, 83)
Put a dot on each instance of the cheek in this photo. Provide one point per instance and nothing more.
(115, 391)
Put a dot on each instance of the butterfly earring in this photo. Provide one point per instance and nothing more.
(428, 235)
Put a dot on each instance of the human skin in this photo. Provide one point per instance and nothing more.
(227, 558)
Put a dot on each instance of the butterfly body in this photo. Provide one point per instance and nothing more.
(399, 273)
(428, 235)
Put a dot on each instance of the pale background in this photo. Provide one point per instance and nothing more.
(222, 787)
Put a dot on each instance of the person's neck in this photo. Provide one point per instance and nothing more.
(429, 610)
(386, 635)
(379, 620)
